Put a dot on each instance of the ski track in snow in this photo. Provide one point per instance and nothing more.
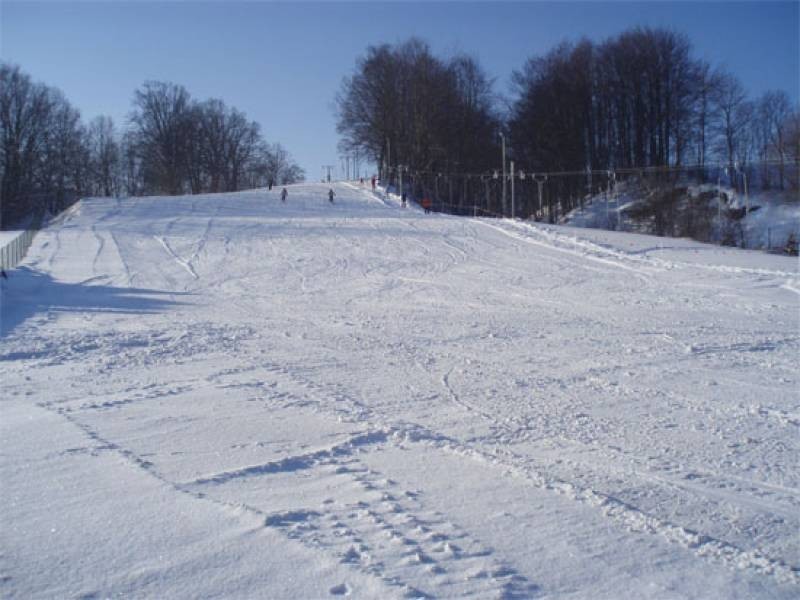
(185, 264)
(652, 395)
(583, 255)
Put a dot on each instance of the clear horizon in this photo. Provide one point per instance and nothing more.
(282, 63)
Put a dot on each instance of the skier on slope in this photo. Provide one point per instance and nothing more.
(284, 193)
(331, 195)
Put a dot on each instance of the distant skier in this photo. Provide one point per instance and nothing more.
(284, 193)
(426, 204)
(331, 195)
(403, 200)
(271, 183)
(373, 183)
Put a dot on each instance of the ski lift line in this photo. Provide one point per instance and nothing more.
(527, 173)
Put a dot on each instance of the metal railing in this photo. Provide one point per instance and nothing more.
(41, 208)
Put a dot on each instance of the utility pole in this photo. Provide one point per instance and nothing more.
(388, 160)
(612, 193)
(486, 189)
(719, 204)
(540, 179)
(450, 189)
(746, 205)
(328, 167)
(503, 138)
(512, 190)
(400, 169)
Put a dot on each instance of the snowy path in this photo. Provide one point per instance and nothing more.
(225, 395)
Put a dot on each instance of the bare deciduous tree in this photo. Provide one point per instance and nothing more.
(404, 106)
(105, 155)
(733, 114)
(161, 120)
(43, 151)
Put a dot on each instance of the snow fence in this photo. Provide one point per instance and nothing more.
(13, 247)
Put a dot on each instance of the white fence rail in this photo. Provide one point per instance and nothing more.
(12, 252)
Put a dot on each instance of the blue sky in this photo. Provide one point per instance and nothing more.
(282, 63)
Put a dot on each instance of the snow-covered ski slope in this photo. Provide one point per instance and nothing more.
(228, 396)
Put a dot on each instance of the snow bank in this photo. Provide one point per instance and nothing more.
(772, 222)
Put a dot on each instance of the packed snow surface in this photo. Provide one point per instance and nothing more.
(231, 396)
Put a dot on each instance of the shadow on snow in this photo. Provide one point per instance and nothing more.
(29, 292)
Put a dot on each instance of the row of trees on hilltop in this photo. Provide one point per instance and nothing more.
(178, 145)
(43, 144)
(172, 144)
(640, 99)
(405, 106)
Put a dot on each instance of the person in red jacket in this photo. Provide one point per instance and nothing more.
(426, 204)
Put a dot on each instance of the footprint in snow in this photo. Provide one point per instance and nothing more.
(352, 555)
(340, 590)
